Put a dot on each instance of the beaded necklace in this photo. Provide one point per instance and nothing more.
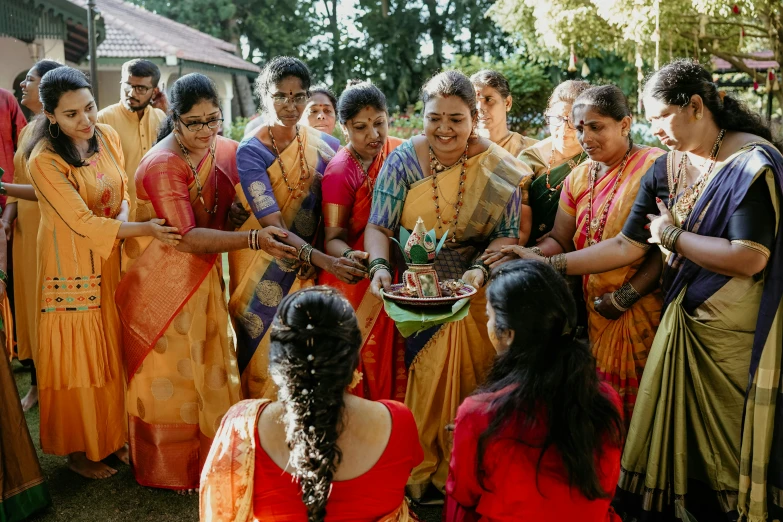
(199, 187)
(355, 157)
(597, 223)
(460, 191)
(303, 167)
(687, 200)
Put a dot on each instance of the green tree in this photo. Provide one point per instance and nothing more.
(647, 31)
(529, 82)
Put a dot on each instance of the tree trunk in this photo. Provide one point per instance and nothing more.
(242, 105)
(436, 32)
(338, 71)
(243, 93)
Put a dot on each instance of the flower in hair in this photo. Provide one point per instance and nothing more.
(309, 326)
(305, 392)
(310, 357)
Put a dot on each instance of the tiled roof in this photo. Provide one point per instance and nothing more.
(765, 61)
(134, 32)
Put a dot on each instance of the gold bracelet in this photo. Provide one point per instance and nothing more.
(559, 262)
(669, 237)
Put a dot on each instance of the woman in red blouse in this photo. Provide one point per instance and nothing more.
(541, 440)
(319, 453)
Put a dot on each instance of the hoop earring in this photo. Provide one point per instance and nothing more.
(50, 131)
(357, 378)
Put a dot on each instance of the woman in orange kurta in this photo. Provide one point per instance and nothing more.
(81, 189)
(623, 305)
(347, 196)
(22, 215)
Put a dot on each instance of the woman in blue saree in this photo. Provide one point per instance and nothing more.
(280, 169)
(704, 437)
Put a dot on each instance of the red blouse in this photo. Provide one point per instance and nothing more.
(512, 493)
(365, 498)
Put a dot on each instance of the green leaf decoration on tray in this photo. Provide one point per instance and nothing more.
(419, 247)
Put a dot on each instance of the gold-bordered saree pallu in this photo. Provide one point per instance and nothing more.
(446, 363)
(258, 281)
(619, 346)
(181, 363)
(718, 347)
(227, 484)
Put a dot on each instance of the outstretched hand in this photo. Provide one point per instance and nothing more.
(267, 240)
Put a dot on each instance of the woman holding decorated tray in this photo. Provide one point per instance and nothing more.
(180, 362)
(347, 197)
(623, 307)
(553, 159)
(707, 419)
(280, 170)
(75, 167)
(466, 187)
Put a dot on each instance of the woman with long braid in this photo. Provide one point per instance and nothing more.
(335, 451)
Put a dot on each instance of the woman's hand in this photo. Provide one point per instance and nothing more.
(606, 308)
(520, 252)
(237, 214)
(168, 235)
(381, 280)
(346, 269)
(474, 278)
(269, 244)
(124, 212)
(306, 272)
(359, 256)
(658, 223)
(7, 229)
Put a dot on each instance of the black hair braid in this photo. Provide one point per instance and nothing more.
(314, 350)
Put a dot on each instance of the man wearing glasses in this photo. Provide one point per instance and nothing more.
(134, 118)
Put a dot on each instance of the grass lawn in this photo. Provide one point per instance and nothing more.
(117, 499)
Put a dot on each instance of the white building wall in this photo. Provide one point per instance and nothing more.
(19, 56)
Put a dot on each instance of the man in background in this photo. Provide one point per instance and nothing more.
(134, 117)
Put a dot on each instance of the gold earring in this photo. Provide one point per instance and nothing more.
(357, 378)
(698, 115)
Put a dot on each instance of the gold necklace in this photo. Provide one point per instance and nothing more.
(460, 191)
(688, 198)
(199, 187)
(304, 169)
(595, 225)
(358, 161)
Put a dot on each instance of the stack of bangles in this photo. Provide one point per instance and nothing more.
(624, 297)
(377, 264)
(479, 265)
(669, 237)
(4, 278)
(252, 240)
(347, 252)
(305, 253)
(559, 262)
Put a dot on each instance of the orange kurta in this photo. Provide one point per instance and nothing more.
(136, 135)
(515, 143)
(80, 376)
(24, 255)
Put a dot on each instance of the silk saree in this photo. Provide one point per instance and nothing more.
(259, 281)
(446, 363)
(347, 197)
(179, 357)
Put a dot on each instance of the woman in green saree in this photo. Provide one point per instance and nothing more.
(552, 160)
(704, 441)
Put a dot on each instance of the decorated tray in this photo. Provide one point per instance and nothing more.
(451, 290)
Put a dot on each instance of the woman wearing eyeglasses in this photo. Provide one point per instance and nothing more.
(280, 170)
(553, 159)
(623, 305)
(181, 366)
